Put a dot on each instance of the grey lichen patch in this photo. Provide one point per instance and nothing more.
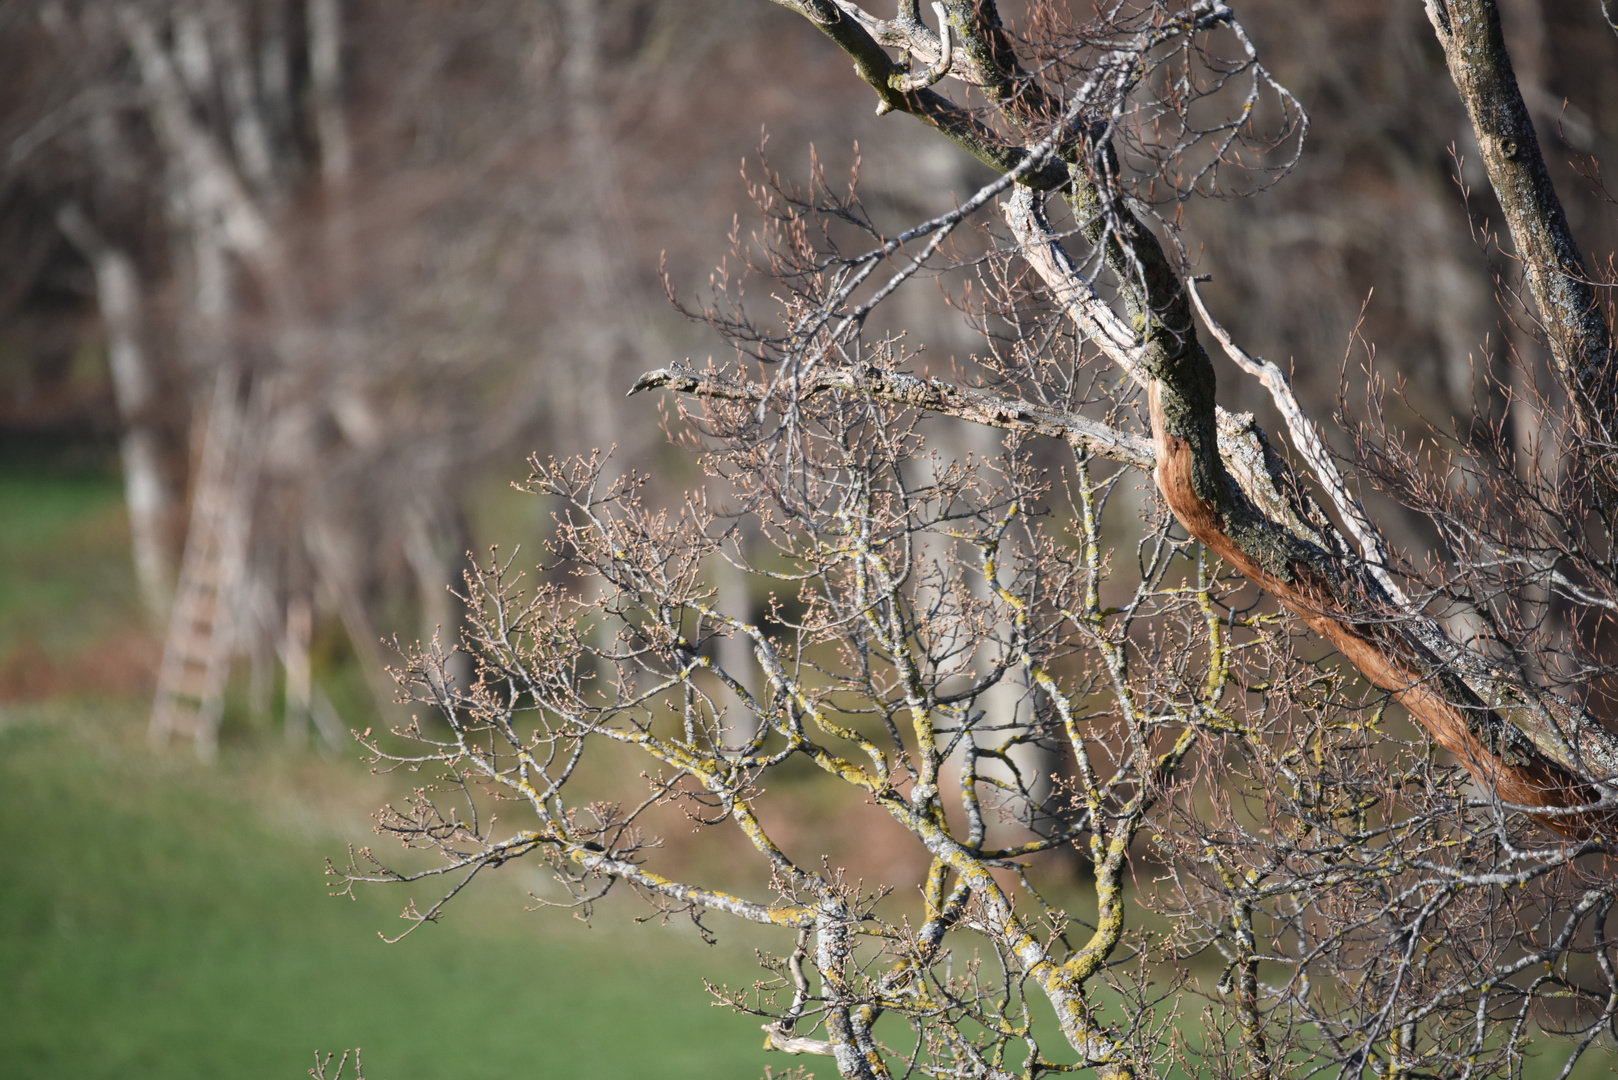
(1270, 484)
(1188, 413)
(1501, 738)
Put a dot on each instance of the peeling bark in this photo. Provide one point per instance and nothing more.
(1314, 576)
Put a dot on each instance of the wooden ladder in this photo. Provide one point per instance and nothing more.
(201, 636)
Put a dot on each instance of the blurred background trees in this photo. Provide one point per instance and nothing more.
(324, 268)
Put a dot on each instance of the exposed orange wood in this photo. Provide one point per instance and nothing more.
(1533, 783)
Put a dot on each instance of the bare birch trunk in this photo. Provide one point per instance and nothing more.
(326, 78)
(148, 492)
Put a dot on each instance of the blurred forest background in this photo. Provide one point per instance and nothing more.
(290, 289)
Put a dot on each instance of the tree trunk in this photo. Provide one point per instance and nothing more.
(148, 489)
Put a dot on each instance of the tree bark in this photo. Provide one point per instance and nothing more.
(1579, 337)
(1251, 517)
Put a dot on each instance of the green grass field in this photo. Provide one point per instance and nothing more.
(65, 577)
(161, 919)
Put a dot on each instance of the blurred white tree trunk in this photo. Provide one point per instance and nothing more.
(734, 651)
(326, 81)
(147, 489)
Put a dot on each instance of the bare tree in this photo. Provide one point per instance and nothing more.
(1371, 794)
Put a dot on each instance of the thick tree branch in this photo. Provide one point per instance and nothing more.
(1559, 728)
(889, 79)
(1232, 511)
(1580, 340)
(1306, 437)
(965, 403)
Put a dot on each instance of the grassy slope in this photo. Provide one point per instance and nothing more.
(64, 562)
(158, 919)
